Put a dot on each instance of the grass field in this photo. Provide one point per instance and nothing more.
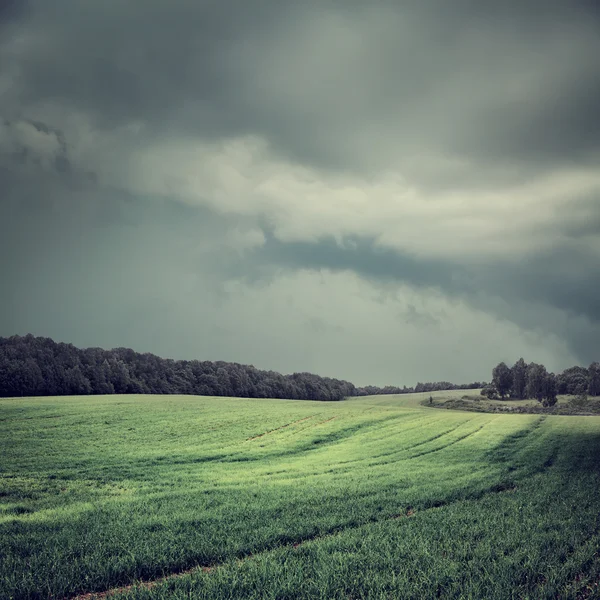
(230, 498)
(472, 401)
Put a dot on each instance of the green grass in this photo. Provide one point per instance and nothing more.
(367, 498)
(472, 401)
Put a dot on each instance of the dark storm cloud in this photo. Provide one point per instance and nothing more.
(454, 96)
(120, 61)
(563, 279)
(517, 82)
(362, 256)
(556, 126)
(10, 9)
(103, 268)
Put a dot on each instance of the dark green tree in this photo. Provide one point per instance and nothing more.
(502, 379)
(594, 379)
(573, 381)
(550, 389)
(519, 379)
(536, 381)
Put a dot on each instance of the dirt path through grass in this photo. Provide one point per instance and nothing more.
(209, 568)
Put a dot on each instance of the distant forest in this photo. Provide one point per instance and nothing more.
(524, 381)
(37, 366)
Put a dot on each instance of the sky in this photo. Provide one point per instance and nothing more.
(384, 192)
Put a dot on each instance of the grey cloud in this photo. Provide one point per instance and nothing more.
(10, 9)
(565, 280)
(553, 126)
(343, 84)
(155, 275)
(454, 96)
(95, 268)
(49, 151)
(569, 280)
(420, 318)
(580, 219)
(362, 256)
(380, 85)
(156, 62)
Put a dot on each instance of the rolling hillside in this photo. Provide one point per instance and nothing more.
(373, 497)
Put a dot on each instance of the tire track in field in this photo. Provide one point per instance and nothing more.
(294, 544)
(549, 462)
(392, 426)
(412, 446)
(398, 433)
(513, 443)
(392, 431)
(335, 436)
(311, 426)
(255, 437)
(456, 441)
(309, 445)
(382, 421)
(438, 436)
(401, 456)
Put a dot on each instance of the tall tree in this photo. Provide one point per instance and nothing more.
(594, 379)
(536, 381)
(550, 389)
(519, 379)
(502, 379)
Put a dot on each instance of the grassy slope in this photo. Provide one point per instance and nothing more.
(472, 401)
(371, 497)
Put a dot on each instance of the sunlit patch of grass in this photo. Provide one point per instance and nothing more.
(370, 497)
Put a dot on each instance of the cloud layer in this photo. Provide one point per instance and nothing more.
(383, 192)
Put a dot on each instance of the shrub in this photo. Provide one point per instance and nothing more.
(490, 392)
(579, 402)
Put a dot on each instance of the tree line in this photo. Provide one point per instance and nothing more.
(432, 386)
(524, 381)
(38, 366)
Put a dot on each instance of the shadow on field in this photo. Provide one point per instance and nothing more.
(578, 452)
(512, 445)
(539, 446)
